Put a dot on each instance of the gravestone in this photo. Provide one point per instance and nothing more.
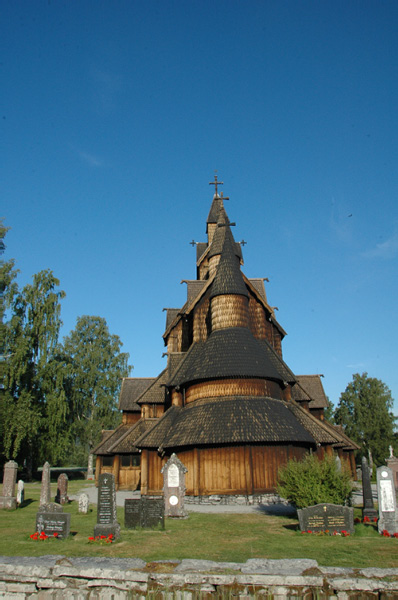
(90, 469)
(368, 505)
(83, 503)
(388, 517)
(145, 512)
(45, 491)
(52, 520)
(62, 489)
(20, 492)
(392, 463)
(174, 487)
(106, 509)
(9, 499)
(326, 517)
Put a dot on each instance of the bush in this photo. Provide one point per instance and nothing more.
(314, 481)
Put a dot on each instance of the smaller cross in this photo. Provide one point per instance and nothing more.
(216, 183)
(226, 224)
(243, 243)
(224, 197)
(193, 243)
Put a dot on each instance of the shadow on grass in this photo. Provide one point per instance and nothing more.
(277, 510)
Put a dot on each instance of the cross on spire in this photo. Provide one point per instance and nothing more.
(216, 183)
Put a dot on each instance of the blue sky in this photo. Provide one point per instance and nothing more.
(114, 117)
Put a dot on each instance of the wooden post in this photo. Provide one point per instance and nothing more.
(196, 474)
(115, 469)
(329, 450)
(97, 468)
(144, 472)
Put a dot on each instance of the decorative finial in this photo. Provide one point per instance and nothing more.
(216, 183)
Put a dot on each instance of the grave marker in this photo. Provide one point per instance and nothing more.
(174, 487)
(106, 510)
(83, 503)
(146, 512)
(45, 491)
(62, 489)
(20, 492)
(368, 505)
(326, 517)
(388, 517)
(52, 520)
(9, 499)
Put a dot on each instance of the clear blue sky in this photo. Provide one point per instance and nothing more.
(114, 116)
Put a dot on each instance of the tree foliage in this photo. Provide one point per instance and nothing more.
(365, 412)
(312, 481)
(31, 337)
(95, 367)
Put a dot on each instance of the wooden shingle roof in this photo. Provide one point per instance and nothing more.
(125, 444)
(109, 440)
(131, 390)
(312, 385)
(228, 279)
(232, 352)
(228, 420)
(155, 393)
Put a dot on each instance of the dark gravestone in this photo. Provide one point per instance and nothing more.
(62, 489)
(9, 499)
(51, 520)
(326, 517)
(174, 487)
(368, 506)
(106, 510)
(146, 512)
(388, 517)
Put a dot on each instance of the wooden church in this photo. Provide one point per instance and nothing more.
(227, 404)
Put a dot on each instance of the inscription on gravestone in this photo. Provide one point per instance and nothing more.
(388, 517)
(145, 512)
(52, 520)
(326, 517)
(106, 509)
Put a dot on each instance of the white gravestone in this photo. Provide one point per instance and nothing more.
(388, 517)
(20, 492)
(83, 503)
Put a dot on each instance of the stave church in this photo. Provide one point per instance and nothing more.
(226, 404)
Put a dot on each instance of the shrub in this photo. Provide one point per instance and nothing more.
(312, 481)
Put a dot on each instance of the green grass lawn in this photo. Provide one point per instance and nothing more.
(230, 537)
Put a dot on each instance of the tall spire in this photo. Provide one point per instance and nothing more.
(228, 279)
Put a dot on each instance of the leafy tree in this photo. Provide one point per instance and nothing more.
(31, 337)
(329, 411)
(365, 412)
(95, 367)
(312, 481)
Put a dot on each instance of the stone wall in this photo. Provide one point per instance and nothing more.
(237, 499)
(62, 578)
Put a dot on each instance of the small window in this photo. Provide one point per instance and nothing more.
(125, 460)
(130, 460)
(107, 461)
(135, 462)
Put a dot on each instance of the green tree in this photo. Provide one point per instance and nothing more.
(365, 412)
(95, 367)
(31, 337)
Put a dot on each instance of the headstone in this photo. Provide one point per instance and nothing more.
(106, 509)
(62, 489)
(83, 503)
(388, 517)
(174, 487)
(392, 462)
(20, 492)
(45, 492)
(90, 468)
(9, 499)
(327, 517)
(145, 512)
(338, 463)
(368, 505)
(52, 520)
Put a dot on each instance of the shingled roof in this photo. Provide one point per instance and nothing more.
(131, 390)
(232, 352)
(312, 384)
(228, 420)
(228, 279)
(155, 393)
(125, 444)
(105, 444)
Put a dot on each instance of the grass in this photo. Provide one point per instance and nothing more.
(229, 537)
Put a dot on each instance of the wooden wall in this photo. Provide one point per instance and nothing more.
(227, 470)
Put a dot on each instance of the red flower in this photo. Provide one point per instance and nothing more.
(366, 520)
(55, 534)
(34, 536)
(110, 536)
(385, 533)
(395, 535)
(90, 539)
(375, 520)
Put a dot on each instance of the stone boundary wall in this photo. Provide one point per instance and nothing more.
(61, 578)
